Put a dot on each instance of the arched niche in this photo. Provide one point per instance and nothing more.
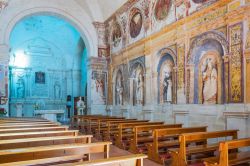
(118, 87)
(167, 77)
(137, 84)
(206, 74)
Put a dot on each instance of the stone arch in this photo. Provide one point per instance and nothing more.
(137, 68)
(12, 17)
(167, 55)
(215, 43)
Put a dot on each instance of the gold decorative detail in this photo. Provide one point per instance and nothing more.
(181, 63)
(236, 63)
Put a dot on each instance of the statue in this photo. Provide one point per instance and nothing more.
(20, 88)
(119, 90)
(209, 80)
(80, 107)
(167, 87)
(139, 90)
(57, 90)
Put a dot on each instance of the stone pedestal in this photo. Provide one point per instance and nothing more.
(19, 109)
(181, 117)
(239, 121)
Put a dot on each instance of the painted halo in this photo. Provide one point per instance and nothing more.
(135, 24)
(161, 9)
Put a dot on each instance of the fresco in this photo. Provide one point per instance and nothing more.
(119, 88)
(162, 8)
(135, 24)
(116, 35)
(199, 1)
(99, 80)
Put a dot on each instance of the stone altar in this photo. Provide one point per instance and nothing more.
(49, 114)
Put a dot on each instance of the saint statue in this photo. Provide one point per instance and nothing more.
(139, 90)
(209, 79)
(80, 107)
(167, 87)
(20, 88)
(119, 90)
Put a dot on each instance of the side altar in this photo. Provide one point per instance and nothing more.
(49, 114)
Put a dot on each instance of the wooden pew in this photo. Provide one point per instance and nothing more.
(102, 125)
(42, 152)
(27, 126)
(225, 158)
(107, 132)
(8, 136)
(75, 120)
(43, 141)
(137, 144)
(30, 123)
(48, 161)
(92, 123)
(129, 160)
(179, 156)
(156, 150)
(22, 121)
(125, 132)
(23, 130)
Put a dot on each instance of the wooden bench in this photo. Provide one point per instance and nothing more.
(137, 144)
(48, 161)
(27, 123)
(42, 152)
(23, 130)
(125, 132)
(225, 158)
(8, 136)
(108, 132)
(129, 160)
(22, 121)
(157, 150)
(205, 150)
(27, 126)
(75, 120)
(43, 141)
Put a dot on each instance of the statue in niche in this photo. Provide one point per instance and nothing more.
(20, 88)
(209, 81)
(119, 90)
(100, 86)
(57, 91)
(80, 107)
(139, 89)
(167, 86)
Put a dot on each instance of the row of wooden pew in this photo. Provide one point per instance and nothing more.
(26, 141)
(169, 144)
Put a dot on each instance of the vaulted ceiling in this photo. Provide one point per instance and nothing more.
(100, 10)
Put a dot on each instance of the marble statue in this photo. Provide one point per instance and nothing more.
(167, 87)
(57, 91)
(119, 90)
(139, 90)
(209, 79)
(80, 106)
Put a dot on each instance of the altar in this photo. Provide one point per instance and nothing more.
(49, 114)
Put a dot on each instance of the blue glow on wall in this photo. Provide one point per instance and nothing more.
(52, 46)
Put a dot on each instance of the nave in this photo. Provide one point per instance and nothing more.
(111, 140)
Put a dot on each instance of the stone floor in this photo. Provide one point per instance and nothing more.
(115, 152)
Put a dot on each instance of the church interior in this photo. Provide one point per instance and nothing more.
(125, 82)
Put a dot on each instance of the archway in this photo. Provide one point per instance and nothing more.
(48, 60)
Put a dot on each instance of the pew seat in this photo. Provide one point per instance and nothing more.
(42, 152)
(43, 141)
(23, 130)
(47, 161)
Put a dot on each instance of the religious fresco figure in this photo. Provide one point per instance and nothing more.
(116, 35)
(100, 86)
(119, 90)
(210, 81)
(135, 24)
(162, 8)
(139, 89)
